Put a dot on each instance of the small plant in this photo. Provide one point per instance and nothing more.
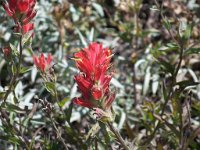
(99, 75)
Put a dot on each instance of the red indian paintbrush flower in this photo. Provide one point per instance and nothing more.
(94, 78)
(42, 63)
(22, 11)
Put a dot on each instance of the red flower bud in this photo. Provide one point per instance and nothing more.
(42, 63)
(6, 51)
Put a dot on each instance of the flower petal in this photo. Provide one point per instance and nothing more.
(36, 60)
(81, 102)
(49, 59)
(23, 6)
(28, 18)
(7, 9)
(96, 93)
(28, 27)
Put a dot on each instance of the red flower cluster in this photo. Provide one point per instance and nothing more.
(42, 63)
(94, 79)
(22, 11)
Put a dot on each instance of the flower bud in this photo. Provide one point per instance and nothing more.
(6, 51)
(42, 63)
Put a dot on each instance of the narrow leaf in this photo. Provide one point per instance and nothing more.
(183, 84)
(50, 87)
(83, 41)
(192, 51)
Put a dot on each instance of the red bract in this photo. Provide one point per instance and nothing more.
(94, 79)
(6, 51)
(22, 11)
(25, 28)
(42, 63)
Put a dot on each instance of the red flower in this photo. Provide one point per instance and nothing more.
(22, 11)
(42, 63)
(6, 51)
(94, 79)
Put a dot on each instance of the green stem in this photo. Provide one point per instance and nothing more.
(15, 76)
(118, 136)
(58, 133)
(12, 83)
(57, 101)
(5, 120)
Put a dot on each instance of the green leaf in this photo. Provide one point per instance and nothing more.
(167, 24)
(83, 40)
(24, 69)
(192, 51)
(164, 91)
(122, 120)
(93, 131)
(33, 74)
(98, 8)
(183, 84)
(169, 47)
(69, 112)
(167, 66)
(62, 102)
(14, 69)
(50, 87)
(12, 117)
(14, 49)
(147, 79)
(2, 94)
(108, 135)
(11, 139)
(75, 14)
(27, 39)
(91, 35)
(182, 27)
(154, 8)
(176, 105)
(116, 83)
(173, 128)
(155, 83)
(188, 31)
(14, 108)
(17, 34)
(185, 30)
(15, 99)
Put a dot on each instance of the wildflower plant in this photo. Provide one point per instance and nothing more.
(22, 12)
(146, 96)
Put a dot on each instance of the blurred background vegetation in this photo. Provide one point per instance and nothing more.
(144, 55)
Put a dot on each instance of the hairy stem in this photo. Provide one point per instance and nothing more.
(5, 120)
(12, 83)
(57, 101)
(15, 76)
(118, 136)
(58, 133)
